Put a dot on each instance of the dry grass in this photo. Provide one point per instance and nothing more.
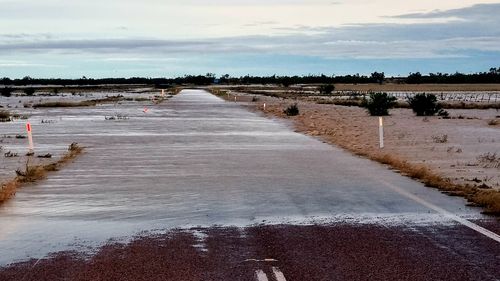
(35, 173)
(4, 116)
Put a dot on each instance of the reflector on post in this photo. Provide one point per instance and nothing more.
(30, 139)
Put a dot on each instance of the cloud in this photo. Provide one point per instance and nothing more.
(363, 41)
(479, 12)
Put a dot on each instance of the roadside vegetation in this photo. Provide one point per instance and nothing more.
(378, 104)
(292, 110)
(93, 102)
(5, 116)
(32, 173)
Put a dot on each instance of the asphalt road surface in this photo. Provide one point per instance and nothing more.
(202, 189)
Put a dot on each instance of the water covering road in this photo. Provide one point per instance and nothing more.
(195, 160)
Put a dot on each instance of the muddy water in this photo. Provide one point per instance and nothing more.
(194, 160)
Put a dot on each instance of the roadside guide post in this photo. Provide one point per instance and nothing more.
(31, 148)
(381, 131)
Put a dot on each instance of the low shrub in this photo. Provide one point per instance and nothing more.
(379, 104)
(292, 110)
(424, 104)
(326, 89)
(4, 116)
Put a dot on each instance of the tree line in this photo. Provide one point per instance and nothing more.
(491, 76)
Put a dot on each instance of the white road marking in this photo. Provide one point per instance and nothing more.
(264, 260)
(261, 276)
(442, 211)
(278, 274)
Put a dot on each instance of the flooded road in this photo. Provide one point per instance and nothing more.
(196, 160)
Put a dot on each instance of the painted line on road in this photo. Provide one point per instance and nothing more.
(278, 274)
(261, 276)
(442, 211)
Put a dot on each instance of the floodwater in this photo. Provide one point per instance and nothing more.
(194, 160)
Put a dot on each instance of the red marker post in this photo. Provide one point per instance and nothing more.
(30, 138)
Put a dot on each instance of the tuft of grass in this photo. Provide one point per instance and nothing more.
(292, 110)
(489, 160)
(5, 116)
(493, 122)
(440, 139)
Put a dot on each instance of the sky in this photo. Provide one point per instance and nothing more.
(165, 38)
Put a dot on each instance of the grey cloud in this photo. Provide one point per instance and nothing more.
(487, 12)
(417, 40)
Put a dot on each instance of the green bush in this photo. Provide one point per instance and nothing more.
(424, 104)
(326, 89)
(379, 104)
(292, 110)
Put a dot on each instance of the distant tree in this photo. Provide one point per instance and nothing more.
(379, 104)
(414, 78)
(326, 89)
(378, 77)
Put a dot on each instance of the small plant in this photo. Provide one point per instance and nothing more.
(4, 116)
(489, 160)
(443, 113)
(326, 89)
(440, 139)
(255, 99)
(29, 91)
(20, 137)
(74, 147)
(379, 104)
(424, 104)
(493, 122)
(116, 117)
(48, 155)
(10, 154)
(292, 110)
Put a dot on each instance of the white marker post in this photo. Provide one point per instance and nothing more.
(162, 92)
(264, 107)
(30, 139)
(234, 98)
(381, 131)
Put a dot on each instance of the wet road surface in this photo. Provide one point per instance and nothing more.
(197, 161)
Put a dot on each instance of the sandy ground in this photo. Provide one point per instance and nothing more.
(283, 252)
(414, 139)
